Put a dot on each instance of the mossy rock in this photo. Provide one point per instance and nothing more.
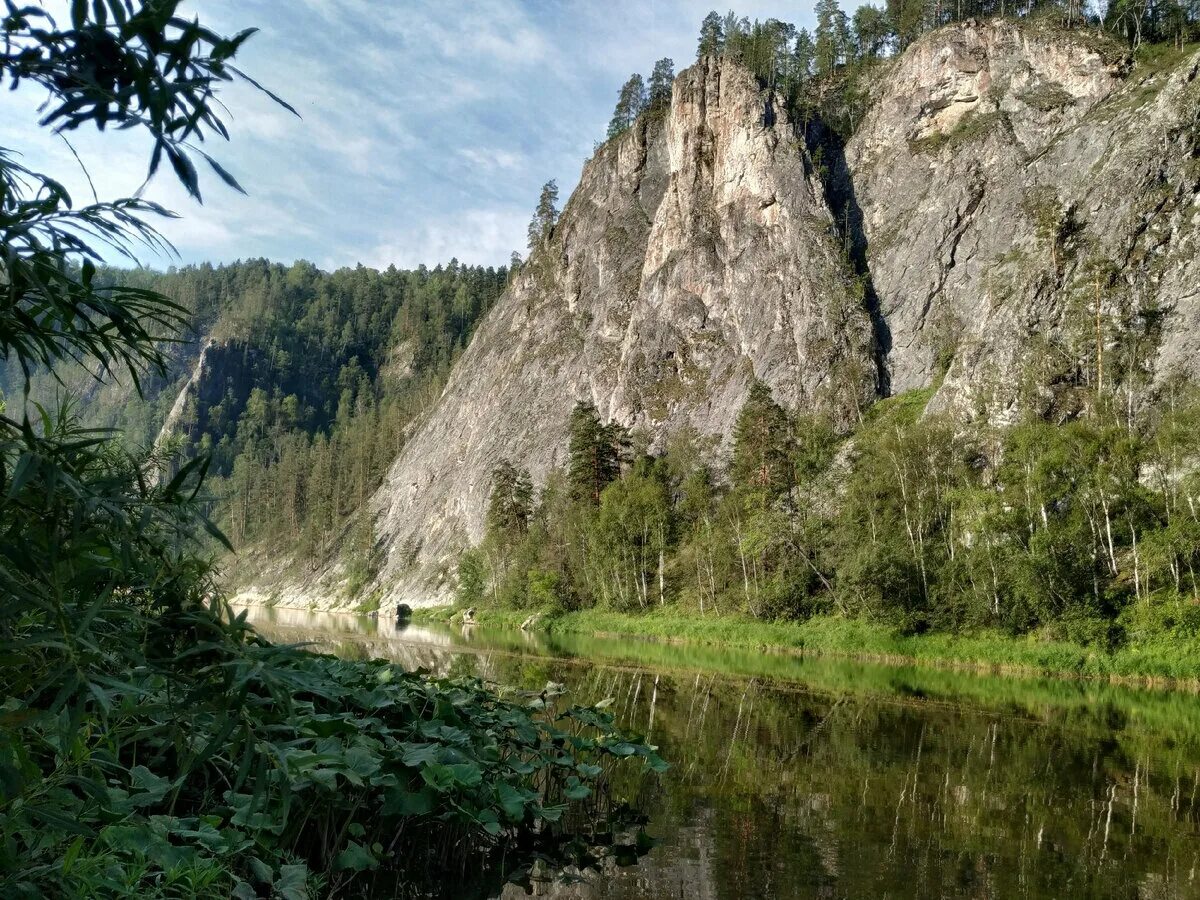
(970, 128)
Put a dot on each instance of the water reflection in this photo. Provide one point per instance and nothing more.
(808, 778)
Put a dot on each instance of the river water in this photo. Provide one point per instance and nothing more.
(799, 777)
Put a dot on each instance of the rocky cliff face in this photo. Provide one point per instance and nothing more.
(697, 253)
(1021, 199)
(1013, 202)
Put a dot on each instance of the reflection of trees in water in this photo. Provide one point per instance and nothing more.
(778, 790)
(797, 793)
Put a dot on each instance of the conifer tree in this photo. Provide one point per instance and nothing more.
(545, 216)
(870, 31)
(832, 37)
(712, 35)
(661, 81)
(761, 445)
(631, 103)
(594, 453)
(511, 501)
(804, 56)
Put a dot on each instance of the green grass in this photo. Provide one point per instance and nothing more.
(832, 636)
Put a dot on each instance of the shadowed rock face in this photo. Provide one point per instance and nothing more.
(1008, 189)
(1010, 185)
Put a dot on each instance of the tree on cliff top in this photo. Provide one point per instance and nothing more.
(712, 35)
(545, 216)
(631, 103)
(661, 81)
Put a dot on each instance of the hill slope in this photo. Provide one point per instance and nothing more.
(1020, 208)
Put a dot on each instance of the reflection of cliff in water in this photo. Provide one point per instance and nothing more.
(411, 646)
(327, 623)
(809, 778)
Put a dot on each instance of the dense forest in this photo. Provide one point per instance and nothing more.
(304, 404)
(1086, 530)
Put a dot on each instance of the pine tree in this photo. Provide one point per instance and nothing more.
(631, 103)
(661, 81)
(870, 31)
(832, 38)
(511, 501)
(545, 216)
(594, 453)
(804, 57)
(712, 36)
(761, 445)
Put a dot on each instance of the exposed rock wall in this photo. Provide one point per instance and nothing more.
(697, 253)
(1012, 199)
(1010, 184)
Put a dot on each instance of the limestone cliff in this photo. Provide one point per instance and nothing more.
(1019, 192)
(1016, 206)
(697, 253)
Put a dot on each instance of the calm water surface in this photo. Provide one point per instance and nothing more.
(795, 777)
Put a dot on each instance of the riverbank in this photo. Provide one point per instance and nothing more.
(1169, 665)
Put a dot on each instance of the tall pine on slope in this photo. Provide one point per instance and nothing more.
(631, 103)
(594, 451)
(545, 216)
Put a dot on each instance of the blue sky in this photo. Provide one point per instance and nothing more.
(428, 126)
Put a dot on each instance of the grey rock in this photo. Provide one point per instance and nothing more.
(1007, 184)
(697, 253)
(1010, 180)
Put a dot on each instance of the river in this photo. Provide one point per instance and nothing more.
(800, 777)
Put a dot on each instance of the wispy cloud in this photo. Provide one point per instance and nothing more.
(427, 127)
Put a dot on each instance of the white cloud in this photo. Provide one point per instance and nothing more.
(475, 236)
(428, 126)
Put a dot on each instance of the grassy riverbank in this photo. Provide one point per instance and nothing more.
(986, 651)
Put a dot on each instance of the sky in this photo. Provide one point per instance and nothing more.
(426, 128)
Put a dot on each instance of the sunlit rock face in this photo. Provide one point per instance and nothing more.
(697, 253)
(1013, 200)
(1011, 185)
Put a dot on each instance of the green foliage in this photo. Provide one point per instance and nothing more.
(632, 101)
(472, 579)
(629, 539)
(595, 452)
(761, 442)
(151, 744)
(661, 81)
(510, 502)
(1071, 532)
(544, 216)
(307, 386)
(712, 35)
(227, 761)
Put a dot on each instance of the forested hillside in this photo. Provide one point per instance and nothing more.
(296, 383)
(1087, 531)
